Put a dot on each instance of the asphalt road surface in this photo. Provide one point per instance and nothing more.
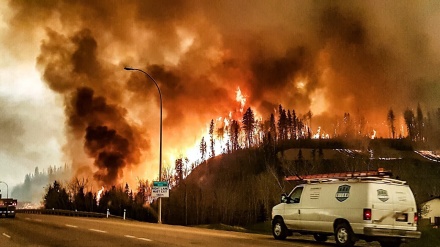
(49, 230)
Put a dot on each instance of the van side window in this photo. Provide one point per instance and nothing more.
(296, 195)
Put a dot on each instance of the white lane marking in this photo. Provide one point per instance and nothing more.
(6, 235)
(96, 230)
(39, 220)
(27, 218)
(145, 239)
(71, 226)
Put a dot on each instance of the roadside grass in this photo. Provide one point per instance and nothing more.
(261, 228)
(430, 238)
(223, 227)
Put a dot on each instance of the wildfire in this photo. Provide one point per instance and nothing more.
(316, 136)
(374, 135)
(98, 195)
(241, 99)
(220, 134)
(320, 134)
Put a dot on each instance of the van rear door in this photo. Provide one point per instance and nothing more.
(393, 206)
(404, 207)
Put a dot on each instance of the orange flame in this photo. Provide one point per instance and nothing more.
(241, 99)
(374, 135)
(98, 195)
(318, 133)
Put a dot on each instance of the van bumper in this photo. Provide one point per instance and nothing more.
(378, 232)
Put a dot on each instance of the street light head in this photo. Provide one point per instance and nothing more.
(128, 68)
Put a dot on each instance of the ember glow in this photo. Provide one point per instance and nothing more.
(212, 60)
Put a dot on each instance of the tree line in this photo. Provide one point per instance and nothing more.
(252, 145)
(137, 205)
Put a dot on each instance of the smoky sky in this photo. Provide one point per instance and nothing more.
(329, 57)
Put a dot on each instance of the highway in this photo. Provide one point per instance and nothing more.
(49, 230)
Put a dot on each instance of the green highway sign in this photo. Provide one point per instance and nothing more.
(160, 183)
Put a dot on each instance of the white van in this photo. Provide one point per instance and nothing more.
(370, 208)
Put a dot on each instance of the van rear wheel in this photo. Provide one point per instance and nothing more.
(344, 236)
(279, 229)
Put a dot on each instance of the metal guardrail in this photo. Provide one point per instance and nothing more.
(64, 212)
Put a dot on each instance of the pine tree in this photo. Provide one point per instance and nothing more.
(179, 170)
(80, 199)
(391, 118)
(203, 149)
(249, 125)
(57, 197)
(408, 115)
(90, 201)
(294, 129)
(420, 124)
(211, 137)
(282, 124)
(289, 124)
(126, 189)
(234, 133)
(272, 128)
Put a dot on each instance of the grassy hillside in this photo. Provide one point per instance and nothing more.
(234, 189)
(241, 188)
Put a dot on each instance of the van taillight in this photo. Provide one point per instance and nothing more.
(367, 214)
(416, 218)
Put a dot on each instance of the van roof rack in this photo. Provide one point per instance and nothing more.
(380, 174)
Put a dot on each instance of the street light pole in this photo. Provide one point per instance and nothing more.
(160, 148)
(7, 189)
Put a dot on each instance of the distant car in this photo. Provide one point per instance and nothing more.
(369, 208)
(7, 207)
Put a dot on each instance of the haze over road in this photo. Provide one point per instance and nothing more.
(49, 230)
